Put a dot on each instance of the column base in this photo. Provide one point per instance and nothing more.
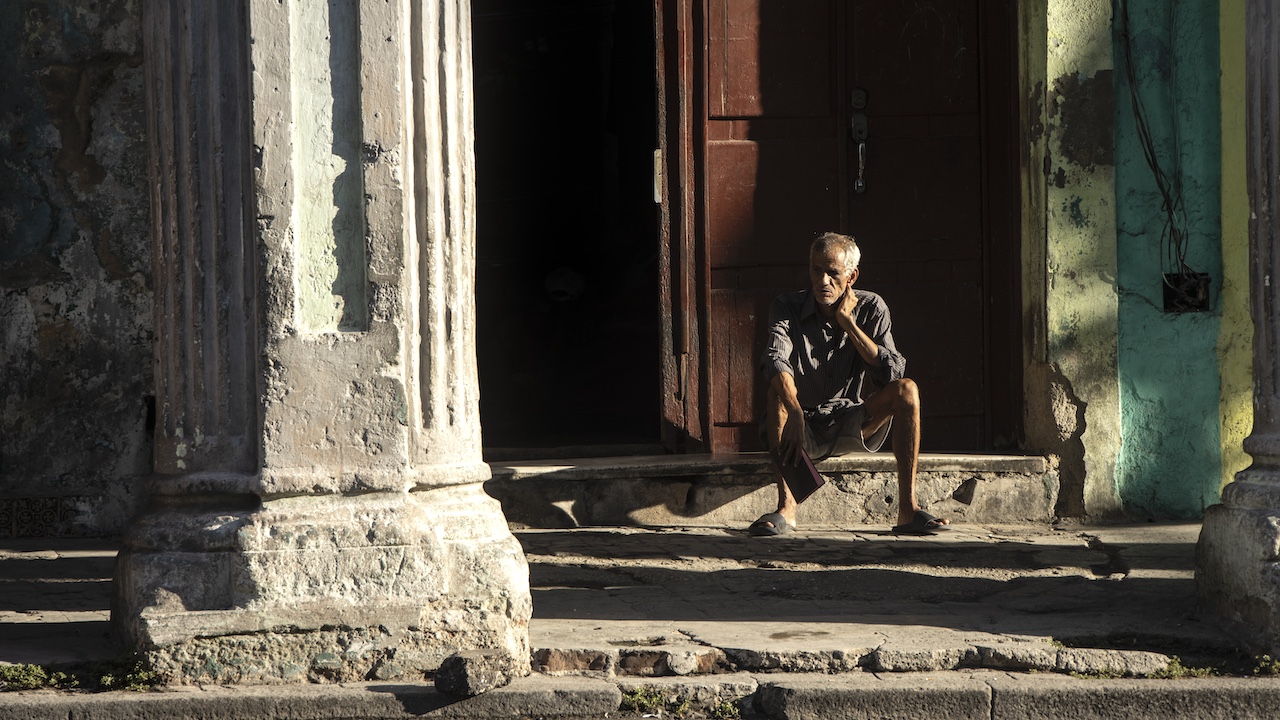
(1238, 573)
(321, 588)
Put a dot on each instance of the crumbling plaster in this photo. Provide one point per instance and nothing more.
(75, 303)
(1080, 295)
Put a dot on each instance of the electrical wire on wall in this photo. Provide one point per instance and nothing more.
(1185, 289)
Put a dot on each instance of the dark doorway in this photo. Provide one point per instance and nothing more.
(566, 272)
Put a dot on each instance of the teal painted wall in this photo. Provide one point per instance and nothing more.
(1170, 458)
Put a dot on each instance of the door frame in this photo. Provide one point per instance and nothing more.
(680, 270)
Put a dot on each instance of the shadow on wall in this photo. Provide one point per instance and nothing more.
(1055, 423)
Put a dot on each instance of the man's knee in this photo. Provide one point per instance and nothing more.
(906, 394)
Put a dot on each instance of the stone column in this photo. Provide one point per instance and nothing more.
(1238, 555)
(317, 507)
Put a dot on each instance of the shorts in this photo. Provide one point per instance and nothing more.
(838, 431)
(835, 428)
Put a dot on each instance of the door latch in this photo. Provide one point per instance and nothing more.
(858, 127)
(858, 131)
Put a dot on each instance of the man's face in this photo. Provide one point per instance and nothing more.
(829, 276)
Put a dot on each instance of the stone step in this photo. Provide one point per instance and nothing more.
(814, 647)
(731, 490)
(1114, 601)
(979, 695)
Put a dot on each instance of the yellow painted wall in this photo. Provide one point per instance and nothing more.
(1081, 300)
(1235, 338)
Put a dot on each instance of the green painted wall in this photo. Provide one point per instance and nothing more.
(1170, 461)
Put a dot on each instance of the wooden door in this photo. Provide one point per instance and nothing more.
(802, 97)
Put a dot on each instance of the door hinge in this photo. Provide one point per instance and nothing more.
(683, 378)
(657, 176)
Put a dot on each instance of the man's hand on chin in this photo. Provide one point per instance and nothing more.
(847, 304)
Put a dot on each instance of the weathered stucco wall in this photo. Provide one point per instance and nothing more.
(1235, 335)
(1080, 296)
(75, 356)
(1170, 462)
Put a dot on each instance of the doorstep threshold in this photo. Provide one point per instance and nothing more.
(745, 463)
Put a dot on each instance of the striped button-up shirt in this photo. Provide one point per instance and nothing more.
(822, 357)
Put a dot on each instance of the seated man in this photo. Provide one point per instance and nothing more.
(836, 382)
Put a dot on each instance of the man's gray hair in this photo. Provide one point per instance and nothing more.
(844, 243)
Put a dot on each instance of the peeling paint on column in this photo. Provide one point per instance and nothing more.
(1071, 208)
(1057, 417)
(1081, 107)
(329, 199)
(1081, 301)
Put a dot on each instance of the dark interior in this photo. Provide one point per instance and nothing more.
(567, 250)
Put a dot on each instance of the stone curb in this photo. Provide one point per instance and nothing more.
(870, 696)
(977, 695)
(541, 697)
(663, 661)
(1003, 696)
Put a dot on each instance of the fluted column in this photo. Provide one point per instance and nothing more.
(202, 241)
(317, 509)
(1238, 555)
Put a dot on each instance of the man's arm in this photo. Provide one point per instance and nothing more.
(791, 438)
(847, 318)
(775, 365)
(876, 348)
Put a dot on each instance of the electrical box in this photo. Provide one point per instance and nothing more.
(1186, 292)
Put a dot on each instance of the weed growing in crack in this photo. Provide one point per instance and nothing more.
(726, 710)
(1176, 670)
(123, 674)
(1267, 665)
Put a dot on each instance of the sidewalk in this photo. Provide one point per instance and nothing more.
(721, 616)
(1100, 600)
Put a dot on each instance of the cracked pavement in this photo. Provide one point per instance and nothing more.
(673, 601)
(1026, 597)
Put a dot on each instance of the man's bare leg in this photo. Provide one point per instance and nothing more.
(900, 400)
(777, 417)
